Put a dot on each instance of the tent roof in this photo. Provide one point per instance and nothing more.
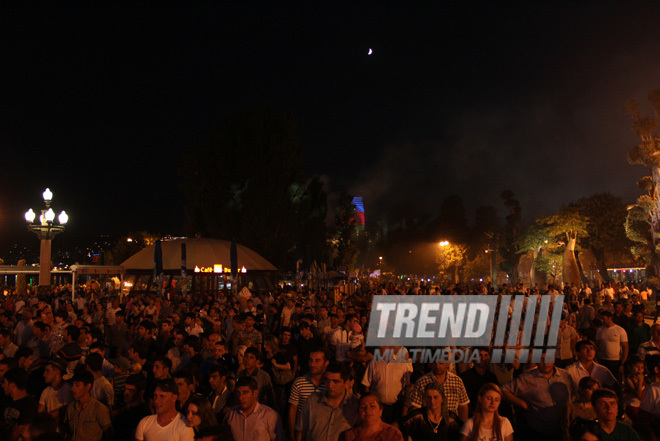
(199, 252)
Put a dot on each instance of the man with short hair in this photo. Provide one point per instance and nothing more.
(127, 418)
(612, 345)
(185, 388)
(6, 345)
(58, 394)
(606, 405)
(220, 393)
(302, 387)
(167, 424)
(543, 394)
(587, 367)
(102, 389)
(651, 347)
(250, 336)
(250, 359)
(251, 420)
(86, 418)
(23, 407)
(327, 414)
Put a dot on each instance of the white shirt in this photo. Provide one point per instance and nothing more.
(599, 372)
(609, 340)
(387, 379)
(148, 429)
(506, 429)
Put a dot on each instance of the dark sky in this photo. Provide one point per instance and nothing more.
(100, 103)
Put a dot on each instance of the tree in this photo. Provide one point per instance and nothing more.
(477, 268)
(647, 153)
(507, 249)
(247, 182)
(565, 226)
(533, 238)
(606, 215)
(450, 256)
(639, 229)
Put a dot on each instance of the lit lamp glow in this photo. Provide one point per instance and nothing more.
(45, 229)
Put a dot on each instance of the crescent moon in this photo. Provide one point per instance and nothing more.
(370, 52)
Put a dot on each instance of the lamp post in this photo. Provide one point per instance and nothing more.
(45, 229)
(493, 267)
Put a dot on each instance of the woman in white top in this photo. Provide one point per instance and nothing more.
(487, 424)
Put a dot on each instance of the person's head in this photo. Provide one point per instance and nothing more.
(439, 368)
(249, 322)
(336, 376)
(655, 332)
(286, 336)
(247, 393)
(271, 344)
(634, 365)
(199, 413)
(218, 377)
(15, 380)
(6, 364)
(318, 361)
(24, 358)
(586, 388)
(134, 389)
(192, 345)
(81, 384)
(54, 371)
(250, 358)
(94, 362)
(606, 317)
(370, 409)
(489, 398)
(165, 396)
(585, 430)
(162, 368)
(586, 350)
(545, 367)
(606, 404)
(41, 424)
(434, 398)
(185, 383)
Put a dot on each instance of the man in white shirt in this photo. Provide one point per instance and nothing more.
(168, 424)
(587, 367)
(387, 380)
(612, 345)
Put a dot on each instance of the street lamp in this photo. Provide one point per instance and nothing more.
(45, 229)
(493, 267)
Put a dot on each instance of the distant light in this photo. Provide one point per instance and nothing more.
(48, 195)
(444, 243)
(129, 240)
(63, 218)
(370, 51)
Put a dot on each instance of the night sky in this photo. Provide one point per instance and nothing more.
(99, 104)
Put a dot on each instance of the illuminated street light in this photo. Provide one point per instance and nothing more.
(444, 243)
(45, 229)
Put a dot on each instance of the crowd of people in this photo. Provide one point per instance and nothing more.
(293, 366)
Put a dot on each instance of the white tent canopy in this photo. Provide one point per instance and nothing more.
(200, 253)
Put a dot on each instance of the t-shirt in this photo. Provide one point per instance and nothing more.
(54, 399)
(19, 412)
(621, 432)
(487, 434)
(610, 339)
(149, 430)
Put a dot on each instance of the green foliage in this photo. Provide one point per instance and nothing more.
(477, 268)
(450, 256)
(565, 223)
(532, 238)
